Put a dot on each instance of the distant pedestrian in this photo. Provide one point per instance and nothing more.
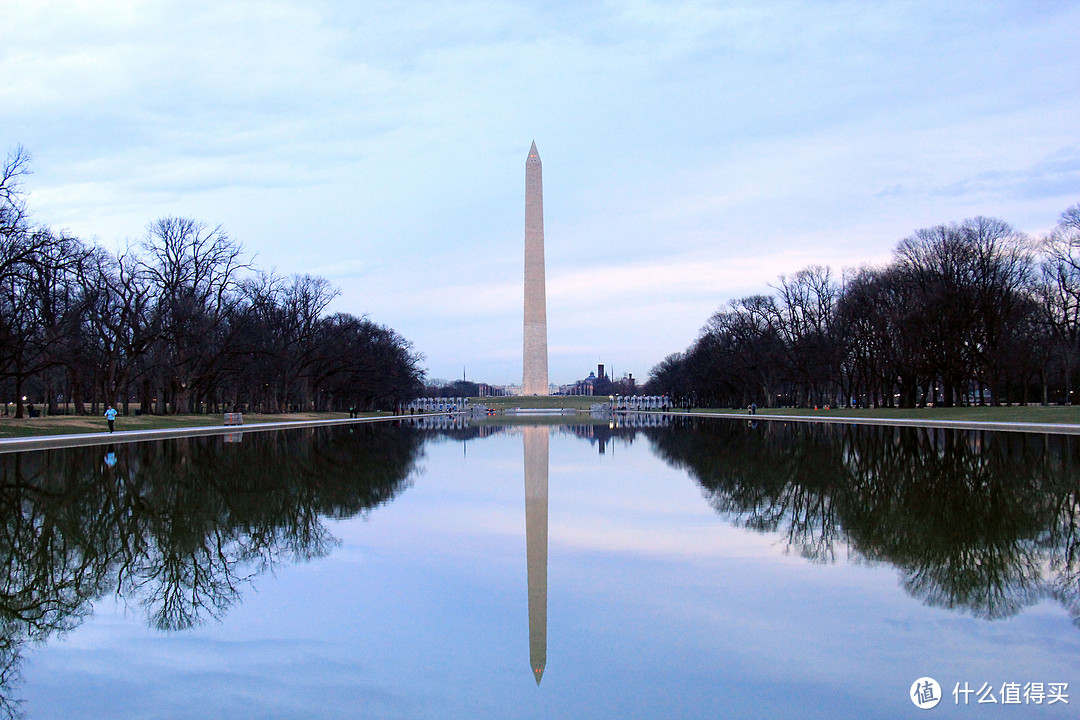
(110, 415)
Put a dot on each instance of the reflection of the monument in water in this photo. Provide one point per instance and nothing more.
(535, 440)
(906, 497)
(982, 522)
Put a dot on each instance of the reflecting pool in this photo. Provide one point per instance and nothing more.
(691, 569)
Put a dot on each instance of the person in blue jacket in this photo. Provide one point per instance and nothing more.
(110, 415)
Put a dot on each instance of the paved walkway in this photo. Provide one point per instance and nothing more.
(1051, 428)
(42, 442)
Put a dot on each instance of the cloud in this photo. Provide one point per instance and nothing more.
(692, 151)
(1058, 175)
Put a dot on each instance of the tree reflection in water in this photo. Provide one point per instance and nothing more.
(978, 521)
(178, 526)
(981, 521)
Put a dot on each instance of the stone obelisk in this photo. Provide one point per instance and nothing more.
(535, 440)
(535, 376)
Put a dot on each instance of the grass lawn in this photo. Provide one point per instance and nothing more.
(70, 424)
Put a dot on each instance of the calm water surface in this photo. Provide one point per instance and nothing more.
(696, 570)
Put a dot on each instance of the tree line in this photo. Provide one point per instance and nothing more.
(179, 322)
(965, 313)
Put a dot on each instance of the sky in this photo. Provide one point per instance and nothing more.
(692, 151)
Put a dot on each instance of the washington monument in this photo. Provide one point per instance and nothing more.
(535, 376)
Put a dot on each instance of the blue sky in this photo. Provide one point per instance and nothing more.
(692, 151)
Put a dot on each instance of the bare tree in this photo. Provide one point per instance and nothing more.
(1059, 289)
(119, 295)
(195, 272)
(12, 206)
(805, 311)
(40, 307)
(971, 277)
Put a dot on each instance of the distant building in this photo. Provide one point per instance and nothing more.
(600, 382)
